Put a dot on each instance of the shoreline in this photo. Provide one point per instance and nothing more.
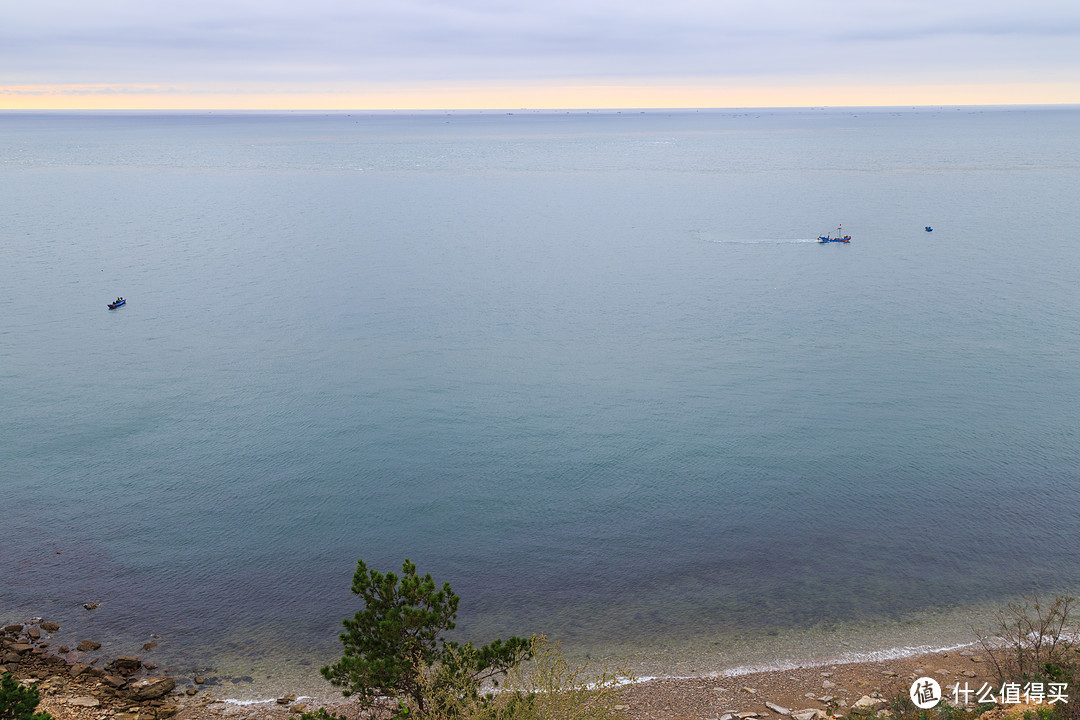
(114, 689)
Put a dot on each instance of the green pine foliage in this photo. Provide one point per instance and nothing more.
(18, 702)
(393, 643)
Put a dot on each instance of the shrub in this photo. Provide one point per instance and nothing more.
(321, 714)
(555, 688)
(1034, 642)
(549, 688)
(18, 702)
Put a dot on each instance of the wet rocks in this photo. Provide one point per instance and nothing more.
(88, 646)
(49, 627)
(126, 664)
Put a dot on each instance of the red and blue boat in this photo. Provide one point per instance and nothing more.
(840, 237)
(117, 303)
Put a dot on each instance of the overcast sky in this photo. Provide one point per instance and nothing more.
(156, 49)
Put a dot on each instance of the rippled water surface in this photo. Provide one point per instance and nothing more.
(591, 369)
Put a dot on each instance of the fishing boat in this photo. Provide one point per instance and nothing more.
(840, 237)
(118, 303)
(929, 229)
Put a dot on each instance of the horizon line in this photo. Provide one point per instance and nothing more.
(538, 109)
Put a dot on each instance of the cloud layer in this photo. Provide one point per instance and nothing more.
(294, 44)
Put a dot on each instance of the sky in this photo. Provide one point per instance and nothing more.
(558, 54)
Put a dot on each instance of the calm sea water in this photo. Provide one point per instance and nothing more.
(591, 369)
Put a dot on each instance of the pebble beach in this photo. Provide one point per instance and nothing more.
(87, 683)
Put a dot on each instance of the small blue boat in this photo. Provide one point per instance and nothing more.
(841, 238)
(118, 303)
(929, 229)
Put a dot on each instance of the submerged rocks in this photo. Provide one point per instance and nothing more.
(88, 646)
(127, 664)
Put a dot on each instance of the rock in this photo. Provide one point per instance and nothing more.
(126, 716)
(14, 629)
(78, 669)
(20, 648)
(290, 698)
(750, 690)
(115, 681)
(149, 646)
(91, 606)
(191, 691)
(828, 684)
(778, 709)
(726, 716)
(748, 714)
(807, 714)
(890, 673)
(151, 688)
(127, 664)
(34, 633)
(88, 646)
(867, 702)
(199, 679)
(167, 711)
(299, 708)
(976, 659)
(969, 673)
(88, 702)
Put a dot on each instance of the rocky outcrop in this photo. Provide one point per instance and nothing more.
(116, 689)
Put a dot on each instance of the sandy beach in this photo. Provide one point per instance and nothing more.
(71, 690)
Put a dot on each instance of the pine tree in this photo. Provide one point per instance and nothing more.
(397, 638)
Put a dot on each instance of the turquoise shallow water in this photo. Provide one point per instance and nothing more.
(591, 369)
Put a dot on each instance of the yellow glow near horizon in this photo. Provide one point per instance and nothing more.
(597, 96)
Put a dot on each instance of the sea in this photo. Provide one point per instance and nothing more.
(590, 368)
